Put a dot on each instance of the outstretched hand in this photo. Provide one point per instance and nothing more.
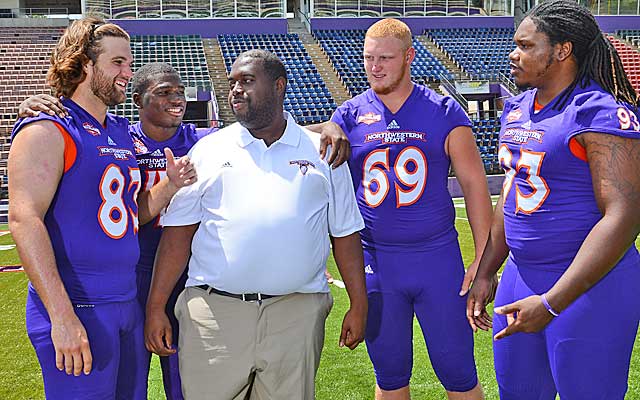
(528, 315)
(181, 171)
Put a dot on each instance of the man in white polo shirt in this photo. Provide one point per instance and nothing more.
(257, 226)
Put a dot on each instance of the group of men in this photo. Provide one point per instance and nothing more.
(251, 317)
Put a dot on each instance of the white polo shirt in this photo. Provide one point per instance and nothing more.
(264, 212)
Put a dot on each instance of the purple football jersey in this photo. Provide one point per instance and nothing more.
(152, 163)
(399, 167)
(550, 206)
(93, 218)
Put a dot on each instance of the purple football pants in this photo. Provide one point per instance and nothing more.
(584, 353)
(426, 284)
(169, 364)
(115, 332)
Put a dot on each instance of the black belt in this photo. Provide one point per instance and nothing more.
(243, 297)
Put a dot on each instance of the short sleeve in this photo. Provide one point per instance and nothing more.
(343, 117)
(508, 105)
(185, 207)
(454, 114)
(600, 113)
(344, 215)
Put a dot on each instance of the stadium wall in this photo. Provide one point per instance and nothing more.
(207, 28)
(608, 23)
(493, 181)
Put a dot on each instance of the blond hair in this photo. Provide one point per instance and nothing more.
(390, 27)
(79, 44)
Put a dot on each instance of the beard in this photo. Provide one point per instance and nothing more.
(386, 89)
(257, 116)
(526, 85)
(105, 89)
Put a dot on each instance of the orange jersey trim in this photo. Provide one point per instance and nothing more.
(537, 106)
(577, 149)
(70, 150)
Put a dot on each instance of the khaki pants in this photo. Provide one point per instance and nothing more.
(234, 350)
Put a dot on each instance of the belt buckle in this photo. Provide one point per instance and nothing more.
(258, 297)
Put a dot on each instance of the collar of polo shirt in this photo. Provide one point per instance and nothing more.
(291, 135)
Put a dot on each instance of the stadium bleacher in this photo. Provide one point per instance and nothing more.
(629, 56)
(481, 52)
(24, 61)
(307, 97)
(344, 49)
(184, 52)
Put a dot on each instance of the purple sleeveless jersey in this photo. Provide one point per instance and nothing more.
(152, 163)
(93, 218)
(549, 205)
(399, 168)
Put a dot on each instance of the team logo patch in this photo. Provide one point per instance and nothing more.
(522, 135)
(514, 115)
(395, 137)
(118, 154)
(303, 164)
(91, 129)
(369, 118)
(139, 147)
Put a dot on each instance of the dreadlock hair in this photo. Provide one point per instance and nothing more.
(145, 75)
(567, 21)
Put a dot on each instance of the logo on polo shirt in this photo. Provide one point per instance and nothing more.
(91, 129)
(369, 118)
(110, 141)
(226, 165)
(303, 165)
(157, 153)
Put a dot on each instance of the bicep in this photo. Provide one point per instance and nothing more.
(463, 152)
(614, 163)
(35, 166)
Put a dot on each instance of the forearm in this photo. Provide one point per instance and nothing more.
(479, 213)
(152, 202)
(496, 249)
(171, 260)
(607, 242)
(36, 253)
(347, 252)
(317, 128)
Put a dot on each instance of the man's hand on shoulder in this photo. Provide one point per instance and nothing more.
(332, 135)
(32, 106)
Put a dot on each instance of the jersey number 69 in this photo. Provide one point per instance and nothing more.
(374, 171)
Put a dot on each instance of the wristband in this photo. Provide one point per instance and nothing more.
(548, 306)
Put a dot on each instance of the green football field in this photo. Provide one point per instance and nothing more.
(343, 374)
